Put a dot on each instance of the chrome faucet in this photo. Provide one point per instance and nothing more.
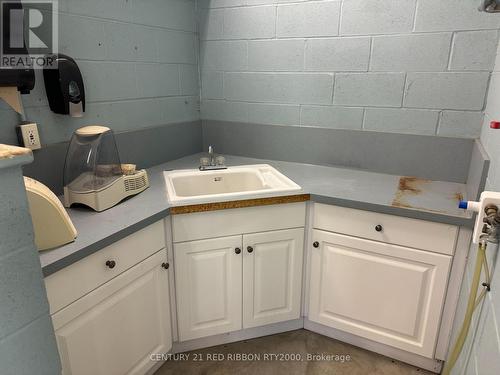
(211, 155)
(213, 162)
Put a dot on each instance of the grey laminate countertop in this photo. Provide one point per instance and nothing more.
(397, 195)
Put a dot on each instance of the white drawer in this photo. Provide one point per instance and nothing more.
(236, 221)
(420, 234)
(80, 278)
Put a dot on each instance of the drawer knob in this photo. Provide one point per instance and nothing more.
(379, 228)
(237, 250)
(316, 244)
(250, 249)
(111, 264)
(165, 265)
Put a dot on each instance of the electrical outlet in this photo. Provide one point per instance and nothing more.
(29, 136)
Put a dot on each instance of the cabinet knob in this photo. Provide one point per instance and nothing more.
(250, 249)
(237, 250)
(379, 228)
(316, 244)
(165, 265)
(111, 264)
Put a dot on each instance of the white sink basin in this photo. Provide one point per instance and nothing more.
(192, 186)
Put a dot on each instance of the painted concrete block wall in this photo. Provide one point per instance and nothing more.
(406, 66)
(27, 342)
(481, 353)
(138, 60)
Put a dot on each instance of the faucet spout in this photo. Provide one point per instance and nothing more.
(211, 155)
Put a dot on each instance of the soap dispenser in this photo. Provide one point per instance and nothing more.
(64, 87)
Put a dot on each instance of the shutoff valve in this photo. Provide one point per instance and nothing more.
(488, 215)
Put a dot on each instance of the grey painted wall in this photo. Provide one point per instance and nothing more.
(436, 158)
(139, 62)
(27, 342)
(405, 66)
(481, 353)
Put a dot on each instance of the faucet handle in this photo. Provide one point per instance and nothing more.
(210, 149)
(204, 161)
(220, 160)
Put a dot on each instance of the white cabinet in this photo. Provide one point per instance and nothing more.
(229, 283)
(272, 276)
(387, 293)
(115, 328)
(419, 234)
(71, 283)
(236, 221)
(208, 286)
(111, 310)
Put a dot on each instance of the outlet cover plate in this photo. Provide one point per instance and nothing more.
(30, 136)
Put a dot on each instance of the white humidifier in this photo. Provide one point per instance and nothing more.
(93, 174)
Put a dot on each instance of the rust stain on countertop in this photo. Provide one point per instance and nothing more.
(411, 187)
(458, 196)
(407, 186)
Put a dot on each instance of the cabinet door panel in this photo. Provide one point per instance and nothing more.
(272, 276)
(114, 329)
(208, 286)
(387, 293)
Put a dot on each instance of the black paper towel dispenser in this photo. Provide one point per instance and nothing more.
(23, 79)
(64, 87)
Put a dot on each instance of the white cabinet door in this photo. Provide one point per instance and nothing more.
(114, 329)
(208, 286)
(387, 293)
(272, 276)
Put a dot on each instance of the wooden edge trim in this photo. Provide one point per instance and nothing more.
(239, 204)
